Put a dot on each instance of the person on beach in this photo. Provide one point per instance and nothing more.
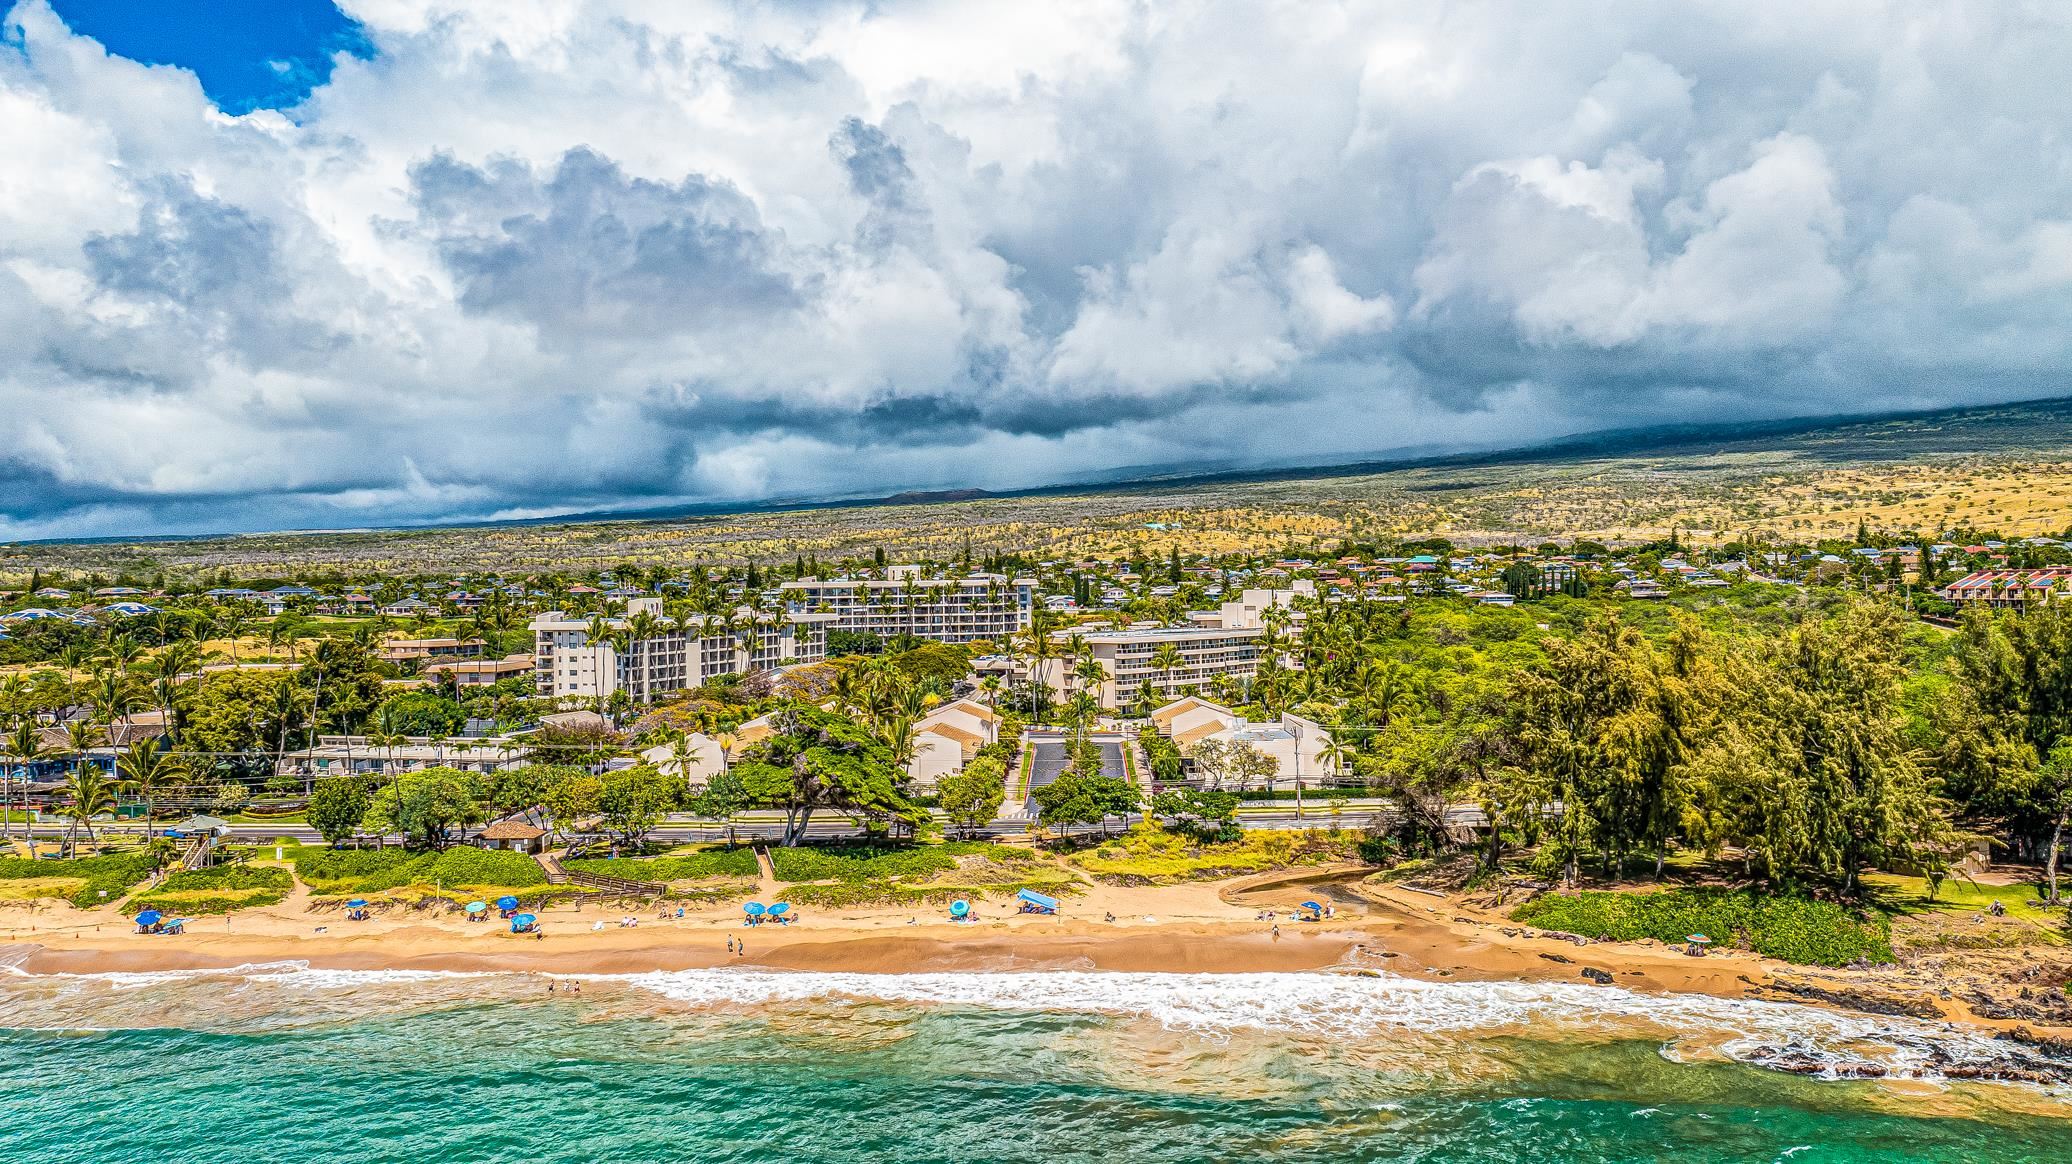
(1276, 933)
(730, 945)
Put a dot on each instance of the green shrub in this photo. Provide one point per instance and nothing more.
(461, 865)
(1794, 929)
(859, 863)
(112, 873)
(351, 865)
(672, 867)
(215, 890)
(849, 894)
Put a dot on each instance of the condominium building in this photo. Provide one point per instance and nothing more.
(949, 610)
(683, 654)
(1126, 658)
(2019, 588)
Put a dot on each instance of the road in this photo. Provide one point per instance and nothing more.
(833, 826)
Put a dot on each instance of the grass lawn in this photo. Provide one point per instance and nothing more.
(1149, 855)
(32, 888)
(1957, 918)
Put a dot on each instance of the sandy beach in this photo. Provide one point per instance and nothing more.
(1197, 928)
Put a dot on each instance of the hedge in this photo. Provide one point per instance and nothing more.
(856, 864)
(215, 890)
(1791, 928)
(373, 870)
(672, 867)
(112, 873)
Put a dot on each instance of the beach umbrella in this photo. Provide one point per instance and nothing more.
(507, 902)
(1698, 939)
(149, 917)
(780, 909)
(754, 909)
(959, 908)
(475, 907)
(523, 919)
(356, 903)
(1312, 907)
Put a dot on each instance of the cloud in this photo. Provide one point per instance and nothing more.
(552, 255)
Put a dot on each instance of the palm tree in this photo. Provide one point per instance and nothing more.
(92, 793)
(25, 747)
(232, 622)
(386, 733)
(123, 650)
(1166, 660)
(144, 771)
(599, 630)
(112, 698)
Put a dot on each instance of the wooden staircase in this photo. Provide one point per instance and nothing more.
(621, 886)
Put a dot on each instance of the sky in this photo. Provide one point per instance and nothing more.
(273, 264)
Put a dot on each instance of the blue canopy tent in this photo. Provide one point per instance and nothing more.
(524, 923)
(1034, 902)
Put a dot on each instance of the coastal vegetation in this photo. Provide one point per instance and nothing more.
(84, 881)
(218, 889)
(1794, 929)
(1151, 855)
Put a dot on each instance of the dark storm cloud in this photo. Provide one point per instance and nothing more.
(585, 249)
(565, 255)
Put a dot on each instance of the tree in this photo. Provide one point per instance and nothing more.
(723, 795)
(337, 806)
(2055, 777)
(425, 806)
(144, 772)
(572, 798)
(1235, 762)
(25, 748)
(632, 801)
(1077, 798)
(818, 760)
(423, 713)
(972, 798)
(90, 793)
(1201, 812)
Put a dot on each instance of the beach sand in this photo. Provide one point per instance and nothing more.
(1195, 928)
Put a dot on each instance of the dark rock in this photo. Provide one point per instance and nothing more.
(1600, 977)
(1557, 958)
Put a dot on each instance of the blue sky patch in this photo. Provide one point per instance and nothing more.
(249, 54)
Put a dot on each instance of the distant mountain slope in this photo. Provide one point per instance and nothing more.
(2005, 467)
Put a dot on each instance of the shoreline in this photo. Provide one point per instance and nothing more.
(1193, 928)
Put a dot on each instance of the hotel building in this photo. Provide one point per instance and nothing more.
(948, 610)
(567, 664)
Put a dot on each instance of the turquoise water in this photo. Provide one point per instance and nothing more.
(703, 1067)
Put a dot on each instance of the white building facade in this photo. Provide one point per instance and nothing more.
(947, 610)
(568, 664)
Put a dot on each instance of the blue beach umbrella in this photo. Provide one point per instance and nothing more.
(521, 921)
(754, 909)
(507, 902)
(149, 917)
(1312, 907)
(356, 903)
(780, 909)
(475, 907)
(960, 908)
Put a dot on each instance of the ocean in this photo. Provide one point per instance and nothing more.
(285, 1063)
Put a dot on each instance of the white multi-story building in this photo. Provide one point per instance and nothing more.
(680, 656)
(1200, 654)
(949, 610)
